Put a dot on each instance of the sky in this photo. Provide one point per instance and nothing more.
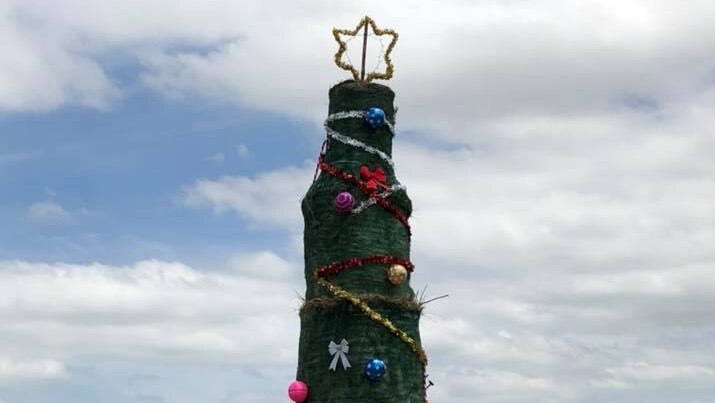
(153, 155)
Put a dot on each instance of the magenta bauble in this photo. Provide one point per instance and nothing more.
(344, 202)
(297, 391)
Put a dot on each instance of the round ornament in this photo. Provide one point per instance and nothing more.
(375, 117)
(297, 391)
(375, 369)
(397, 274)
(344, 202)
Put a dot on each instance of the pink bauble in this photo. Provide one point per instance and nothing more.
(344, 202)
(297, 391)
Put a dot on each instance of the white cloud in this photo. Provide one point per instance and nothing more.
(272, 198)
(143, 311)
(13, 371)
(491, 59)
(500, 386)
(47, 211)
(488, 58)
(638, 373)
(603, 193)
(156, 317)
(40, 73)
(217, 158)
(52, 54)
(14, 158)
(242, 150)
(262, 264)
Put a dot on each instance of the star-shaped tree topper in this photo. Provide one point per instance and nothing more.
(389, 69)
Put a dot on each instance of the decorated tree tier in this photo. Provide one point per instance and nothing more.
(360, 316)
(359, 340)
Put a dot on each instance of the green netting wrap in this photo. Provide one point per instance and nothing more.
(331, 237)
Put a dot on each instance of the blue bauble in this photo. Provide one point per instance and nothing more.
(375, 117)
(375, 369)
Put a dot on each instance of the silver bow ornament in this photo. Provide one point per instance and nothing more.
(339, 351)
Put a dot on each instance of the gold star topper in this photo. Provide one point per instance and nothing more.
(364, 23)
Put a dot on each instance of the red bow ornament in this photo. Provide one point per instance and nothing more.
(373, 179)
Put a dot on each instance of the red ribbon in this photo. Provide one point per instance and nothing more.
(372, 179)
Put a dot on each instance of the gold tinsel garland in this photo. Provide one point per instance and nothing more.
(402, 303)
(376, 317)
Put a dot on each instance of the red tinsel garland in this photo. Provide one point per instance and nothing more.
(368, 190)
(337, 267)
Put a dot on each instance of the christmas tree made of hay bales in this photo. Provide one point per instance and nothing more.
(359, 339)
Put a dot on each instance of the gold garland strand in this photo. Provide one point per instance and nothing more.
(376, 317)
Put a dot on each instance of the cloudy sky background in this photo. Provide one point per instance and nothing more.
(559, 156)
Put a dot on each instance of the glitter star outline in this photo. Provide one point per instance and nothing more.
(389, 69)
